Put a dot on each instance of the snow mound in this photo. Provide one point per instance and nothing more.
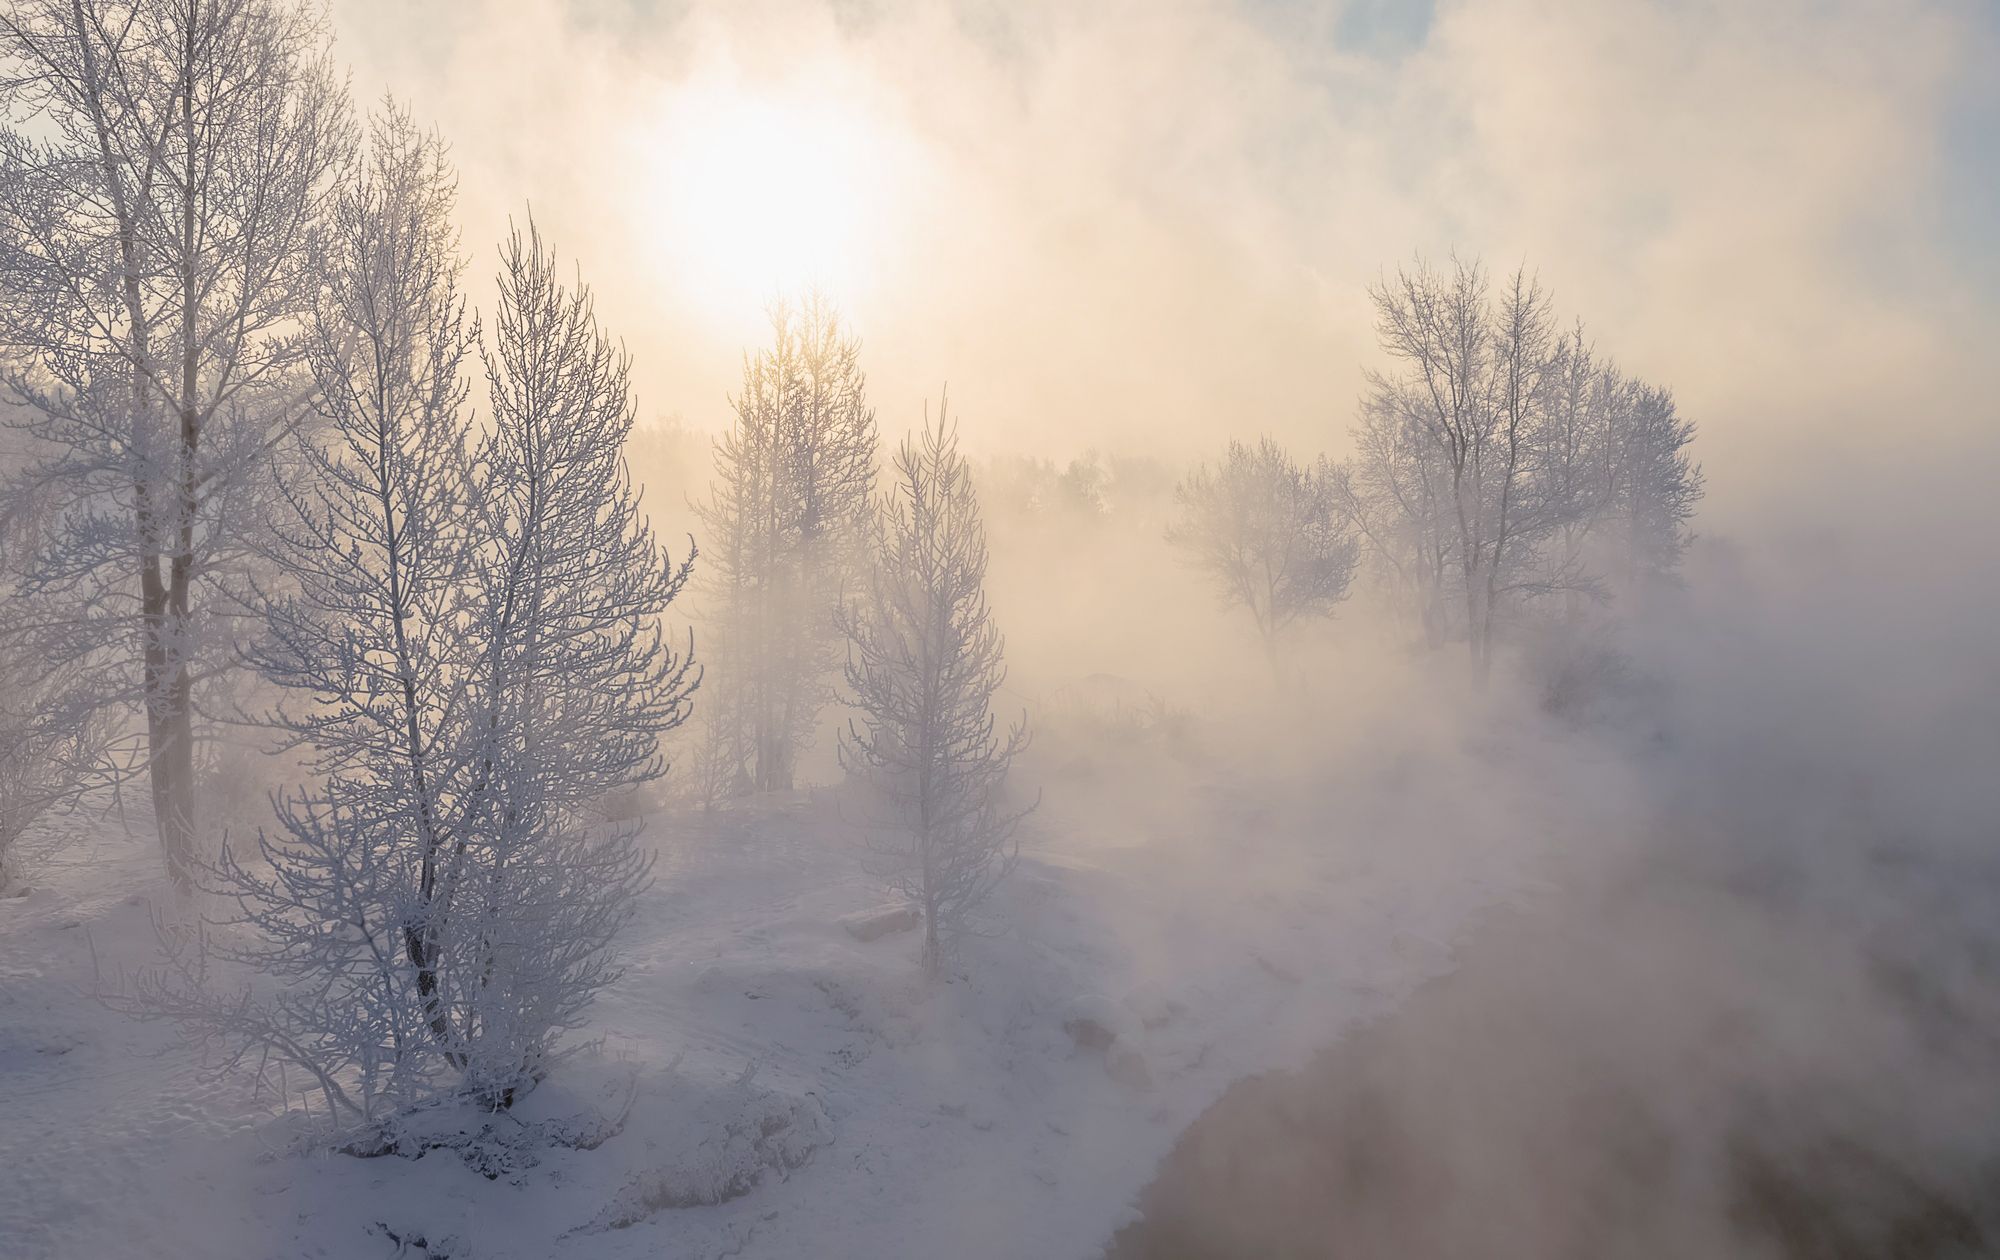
(496, 1145)
(867, 925)
(704, 1144)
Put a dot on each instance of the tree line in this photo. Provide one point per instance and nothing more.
(1501, 465)
(271, 471)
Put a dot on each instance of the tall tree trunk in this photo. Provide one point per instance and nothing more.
(170, 754)
(933, 948)
(170, 707)
(1479, 630)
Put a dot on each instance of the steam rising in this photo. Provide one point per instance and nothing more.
(1746, 995)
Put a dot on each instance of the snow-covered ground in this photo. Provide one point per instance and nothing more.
(787, 1089)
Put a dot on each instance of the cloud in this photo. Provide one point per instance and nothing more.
(1151, 225)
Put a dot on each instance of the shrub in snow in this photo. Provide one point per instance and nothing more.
(1575, 666)
(1094, 1021)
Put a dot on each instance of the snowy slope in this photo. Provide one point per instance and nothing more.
(785, 1088)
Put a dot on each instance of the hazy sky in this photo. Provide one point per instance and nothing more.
(1152, 224)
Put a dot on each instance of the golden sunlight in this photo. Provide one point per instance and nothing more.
(1449, 616)
(760, 195)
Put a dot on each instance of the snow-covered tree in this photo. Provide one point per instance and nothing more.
(784, 522)
(162, 180)
(924, 663)
(343, 905)
(367, 640)
(578, 680)
(472, 653)
(1269, 532)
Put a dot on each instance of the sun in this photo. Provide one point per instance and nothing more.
(755, 196)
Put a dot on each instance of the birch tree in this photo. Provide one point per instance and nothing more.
(924, 663)
(162, 179)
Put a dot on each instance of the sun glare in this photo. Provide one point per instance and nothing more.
(758, 196)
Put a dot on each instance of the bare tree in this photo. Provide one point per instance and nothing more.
(785, 520)
(1470, 411)
(1507, 462)
(1270, 533)
(160, 191)
(924, 662)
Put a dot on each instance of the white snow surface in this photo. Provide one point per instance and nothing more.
(772, 1086)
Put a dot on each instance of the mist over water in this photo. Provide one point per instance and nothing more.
(1758, 1016)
